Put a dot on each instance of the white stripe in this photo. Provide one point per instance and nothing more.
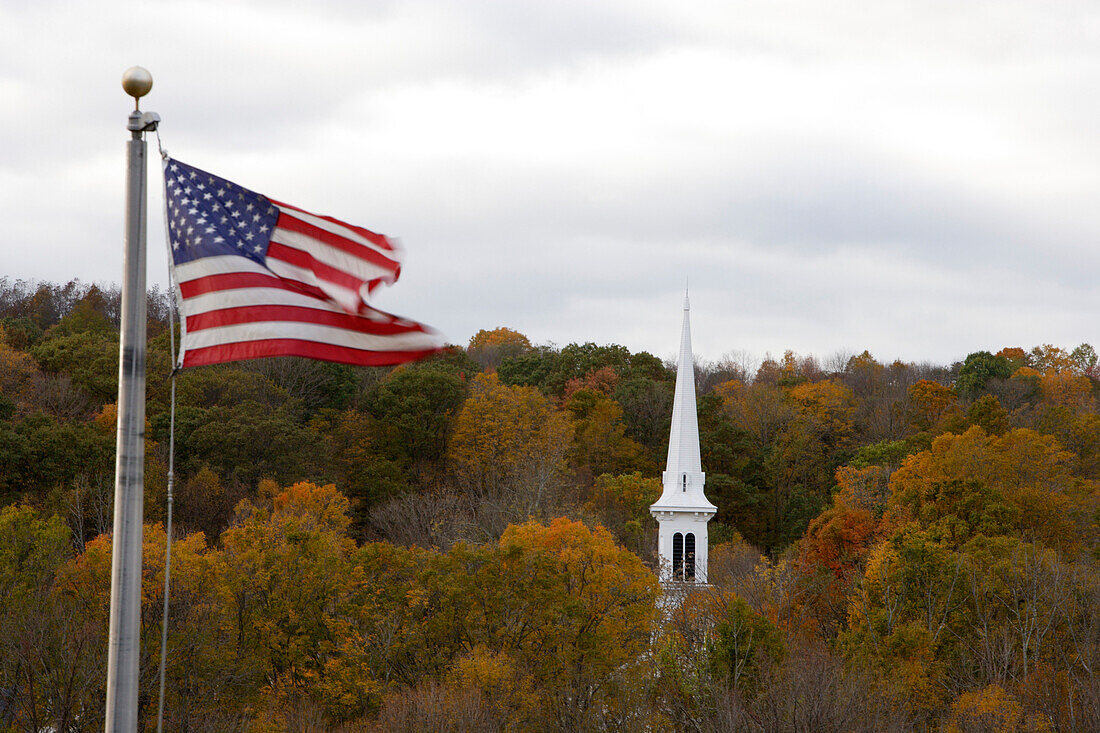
(220, 265)
(239, 297)
(265, 330)
(331, 256)
(349, 300)
(342, 231)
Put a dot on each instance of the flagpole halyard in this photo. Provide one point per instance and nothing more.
(125, 625)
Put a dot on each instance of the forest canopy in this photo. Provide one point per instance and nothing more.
(464, 543)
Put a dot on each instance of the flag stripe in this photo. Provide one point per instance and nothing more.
(293, 347)
(321, 334)
(341, 227)
(353, 245)
(256, 313)
(224, 264)
(346, 299)
(243, 280)
(323, 273)
(255, 296)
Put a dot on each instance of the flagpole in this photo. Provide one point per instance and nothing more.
(125, 628)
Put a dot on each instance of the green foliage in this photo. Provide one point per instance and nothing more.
(647, 409)
(888, 453)
(90, 358)
(20, 332)
(744, 641)
(414, 409)
(978, 368)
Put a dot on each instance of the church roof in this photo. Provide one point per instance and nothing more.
(683, 441)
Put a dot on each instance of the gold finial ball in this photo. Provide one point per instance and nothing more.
(137, 81)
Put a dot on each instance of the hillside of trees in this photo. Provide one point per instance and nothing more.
(464, 543)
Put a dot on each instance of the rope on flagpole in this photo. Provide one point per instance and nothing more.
(172, 314)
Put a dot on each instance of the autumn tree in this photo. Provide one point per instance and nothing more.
(622, 505)
(507, 449)
(490, 348)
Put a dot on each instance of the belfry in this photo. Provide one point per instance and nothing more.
(683, 510)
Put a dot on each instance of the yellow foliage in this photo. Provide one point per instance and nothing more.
(509, 435)
(500, 336)
(1030, 470)
(989, 709)
(829, 404)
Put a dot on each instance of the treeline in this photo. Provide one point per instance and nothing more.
(464, 543)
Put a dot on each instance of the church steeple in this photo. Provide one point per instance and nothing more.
(683, 510)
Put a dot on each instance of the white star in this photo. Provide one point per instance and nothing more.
(264, 228)
(218, 240)
(194, 174)
(248, 208)
(190, 229)
(207, 195)
(209, 230)
(249, 236)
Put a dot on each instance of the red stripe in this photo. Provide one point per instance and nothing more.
(306, 261)
(239, 280)
(380, 240)
(293, 224)
(298, 314)
(297, 347)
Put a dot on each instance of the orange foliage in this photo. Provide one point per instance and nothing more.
(838, 540)
(602, 380)
(930, 403)
(1017, 356)
(499, 337)
(1065, 389)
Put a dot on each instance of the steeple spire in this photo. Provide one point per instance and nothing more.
(683, 509)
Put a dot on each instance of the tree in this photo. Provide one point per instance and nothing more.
(508, 446)
(744, 641)
(930, 405)
(622, 505)
(978, 368)
(1028, 472)
(647, 407)
(413, 410)
(490, 348)
(599, 439)
(288, 572)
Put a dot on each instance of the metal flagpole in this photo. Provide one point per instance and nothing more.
(125, 629)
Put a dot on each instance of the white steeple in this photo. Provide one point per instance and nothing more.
(683, 510)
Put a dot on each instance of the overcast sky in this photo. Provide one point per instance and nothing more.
(919, 179)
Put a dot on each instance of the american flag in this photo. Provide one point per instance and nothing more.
(255, 277)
